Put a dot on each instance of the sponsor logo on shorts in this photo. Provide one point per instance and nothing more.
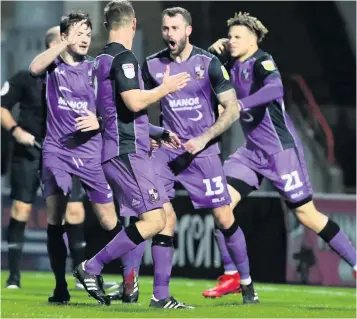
(218, 200)
(61, 72)
(154, 195)
(159, 75)
(298, 194)
(135, 202)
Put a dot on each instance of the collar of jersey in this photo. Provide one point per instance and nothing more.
(193, 51)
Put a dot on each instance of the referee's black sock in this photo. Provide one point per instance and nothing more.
(15, 240)
(76, 242)
(57, 252)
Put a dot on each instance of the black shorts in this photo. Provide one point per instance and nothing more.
(25, 176)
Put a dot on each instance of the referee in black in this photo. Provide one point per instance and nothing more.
(28, 134)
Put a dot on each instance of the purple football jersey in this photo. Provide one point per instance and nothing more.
(69, 94)
(116, 70)
(192, 110)
(267, 126)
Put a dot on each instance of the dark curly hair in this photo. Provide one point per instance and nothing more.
(252, 23)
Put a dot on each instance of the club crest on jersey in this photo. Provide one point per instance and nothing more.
(96, 64)
(90, 76)
(154, 195)
(129, 70)
(245, 74)
(200, 71)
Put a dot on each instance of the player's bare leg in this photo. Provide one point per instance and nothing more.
(57, 250)
(328, 230)
(20, 213)
(106, 215)
(235, 196)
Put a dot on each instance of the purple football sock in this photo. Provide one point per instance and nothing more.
(341, 244)
(119, 246)
(132, 259)
(225, 256)
(237, 248)
(162, 258)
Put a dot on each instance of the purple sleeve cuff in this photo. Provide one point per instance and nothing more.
(272, 90)
(156, 132)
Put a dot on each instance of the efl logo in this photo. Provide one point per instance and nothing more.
(129, 70)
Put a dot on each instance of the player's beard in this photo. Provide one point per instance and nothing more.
(77, 53)
(180, 46)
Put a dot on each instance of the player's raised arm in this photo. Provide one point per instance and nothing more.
(265, 71)
(125, 73)
(41, 62)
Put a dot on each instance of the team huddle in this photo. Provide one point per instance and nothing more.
(98, 130)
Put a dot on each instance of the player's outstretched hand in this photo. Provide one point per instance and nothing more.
(171, 140)
(72, 37)
(195, 145)
(220, 47)
(175, 82)
(23, 137)
(87, 123)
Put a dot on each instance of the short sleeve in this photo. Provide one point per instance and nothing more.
(124, 72)
(219, 76)
(12, 90)
(265, 67)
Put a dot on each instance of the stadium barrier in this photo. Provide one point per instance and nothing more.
(280, 250)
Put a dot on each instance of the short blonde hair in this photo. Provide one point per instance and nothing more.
(118, 13)
(252, 23)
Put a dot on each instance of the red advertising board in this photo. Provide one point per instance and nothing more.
(309, 259)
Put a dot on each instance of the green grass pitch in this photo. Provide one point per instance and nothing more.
(277, 301)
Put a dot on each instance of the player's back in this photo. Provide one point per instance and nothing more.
(192, 110)
(123, 131)
(265, 126)
(69, 94)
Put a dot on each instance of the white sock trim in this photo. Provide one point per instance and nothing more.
(355, 267)
(246, 282)
(230, 272)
